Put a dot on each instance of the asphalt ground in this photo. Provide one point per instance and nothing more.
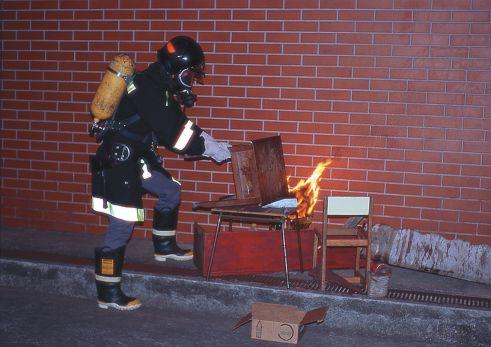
(39, 319)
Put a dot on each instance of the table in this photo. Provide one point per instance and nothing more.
(253, 214)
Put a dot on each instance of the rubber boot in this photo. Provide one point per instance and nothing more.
(164, 237)
(108, 269)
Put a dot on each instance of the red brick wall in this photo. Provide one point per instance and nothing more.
(395, 91)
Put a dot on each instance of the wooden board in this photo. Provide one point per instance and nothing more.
(252, 252)
(259, 170)
(245, 171)
(259, 174)
(256, 252)
(271, 171)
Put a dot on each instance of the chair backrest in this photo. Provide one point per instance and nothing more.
(347, 206)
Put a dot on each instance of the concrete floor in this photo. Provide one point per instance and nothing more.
(53, 303)
(141, 252)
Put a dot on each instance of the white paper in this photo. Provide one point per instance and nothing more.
(283, 203)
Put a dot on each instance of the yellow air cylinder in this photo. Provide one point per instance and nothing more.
(112, 87)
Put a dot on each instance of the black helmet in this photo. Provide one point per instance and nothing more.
(183, 59)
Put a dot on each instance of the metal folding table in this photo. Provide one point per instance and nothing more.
(275, 217)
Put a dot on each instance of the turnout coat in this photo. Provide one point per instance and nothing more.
(147, 115)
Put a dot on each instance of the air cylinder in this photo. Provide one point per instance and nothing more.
(112, 87)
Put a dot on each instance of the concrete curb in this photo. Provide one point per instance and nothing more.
(428, 323)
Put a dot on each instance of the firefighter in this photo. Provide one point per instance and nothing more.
(126, 164)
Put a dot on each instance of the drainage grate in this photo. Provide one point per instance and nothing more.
(397, 294)
(439, 298)
(294, 283)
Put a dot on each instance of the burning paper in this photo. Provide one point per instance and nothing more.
(307, 191)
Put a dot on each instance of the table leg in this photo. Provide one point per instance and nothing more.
(324, 256)
(214, 246)
(283, 227)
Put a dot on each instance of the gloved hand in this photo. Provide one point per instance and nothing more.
(216, 150)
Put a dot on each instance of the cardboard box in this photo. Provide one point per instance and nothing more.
(280, 323)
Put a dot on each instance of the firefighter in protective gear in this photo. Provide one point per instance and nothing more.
(126, 164)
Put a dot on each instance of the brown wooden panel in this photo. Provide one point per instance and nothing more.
(270, 169)
(252, 252)
(255, 252)
(206, 205)
(245, 171)
(259, 173)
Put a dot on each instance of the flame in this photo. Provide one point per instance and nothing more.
(307, 191)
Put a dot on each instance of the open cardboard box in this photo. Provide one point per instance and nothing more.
(280, 323)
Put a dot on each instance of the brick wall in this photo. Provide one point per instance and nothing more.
(396, 92)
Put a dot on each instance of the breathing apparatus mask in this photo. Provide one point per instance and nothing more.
(184, 61)
(184, 82)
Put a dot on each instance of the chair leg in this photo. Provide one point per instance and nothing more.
(214, 246)
(357, 261)
(367, 271)
(324, 260)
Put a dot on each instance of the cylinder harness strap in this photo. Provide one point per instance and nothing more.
(111, 126)
(118, 74)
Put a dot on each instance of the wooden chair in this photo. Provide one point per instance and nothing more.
(358, 236)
